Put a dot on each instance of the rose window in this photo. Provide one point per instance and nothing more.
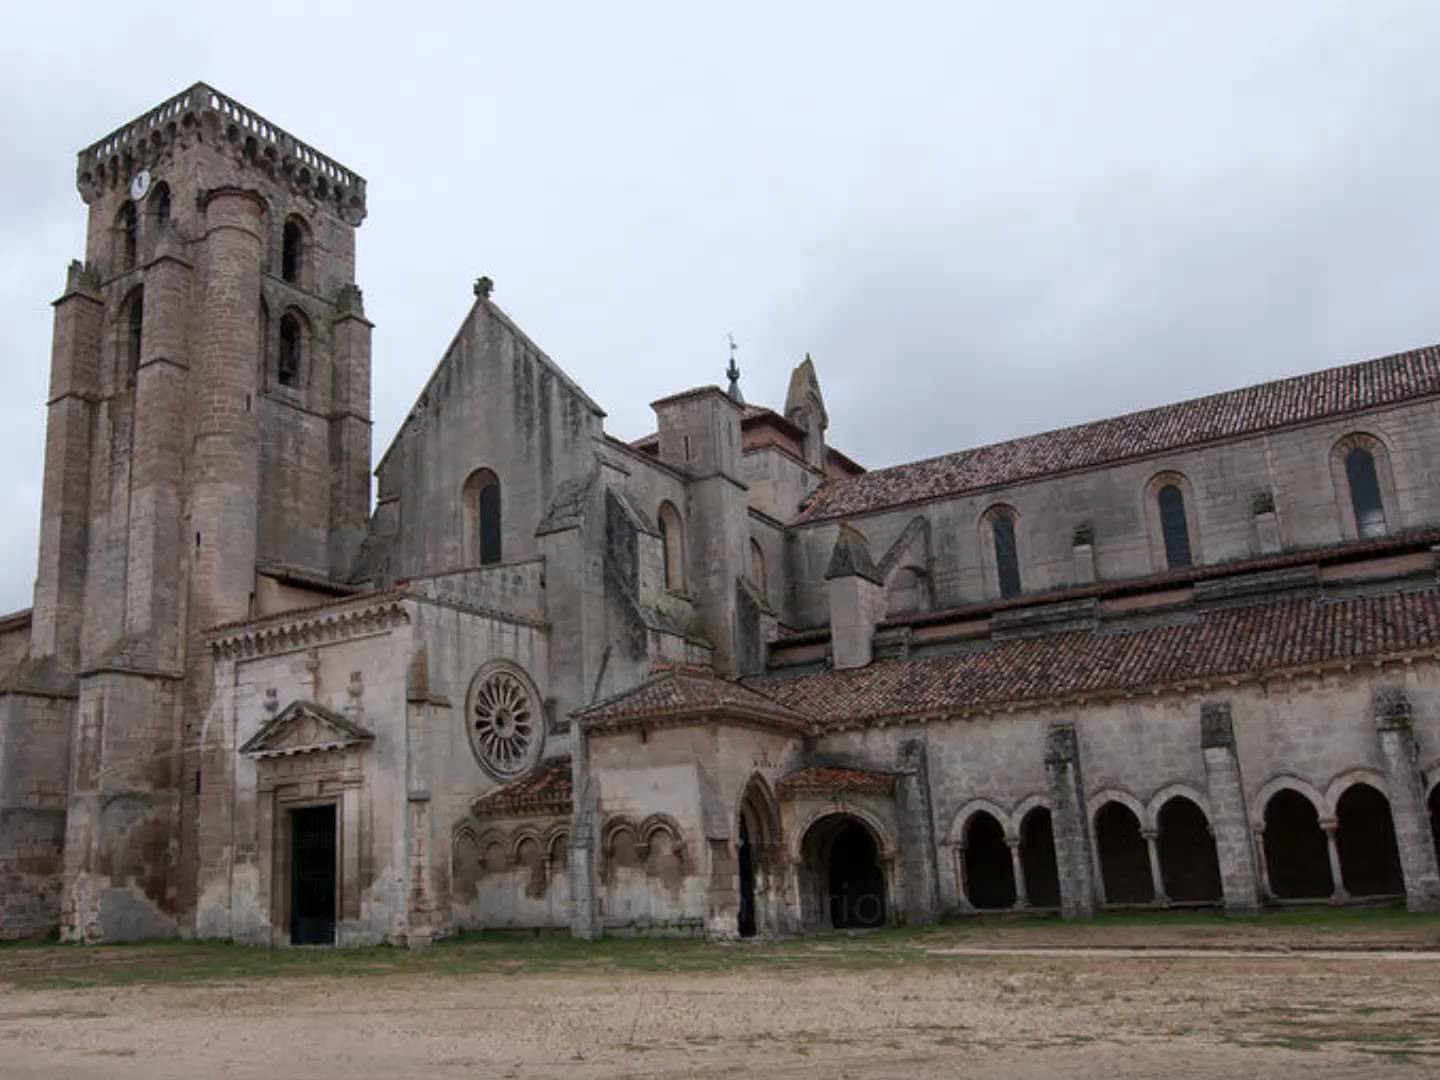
(505, 723)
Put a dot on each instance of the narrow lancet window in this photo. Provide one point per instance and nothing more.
(1365, 492)
(292, 248)
(134, 334)
(1174, 527)
(1007, 556)
(290, 342)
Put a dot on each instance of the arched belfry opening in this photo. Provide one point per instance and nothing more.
(294, 254)
(841, 859)
(757, 836)
(127, 237)
(1297, 859)
(1365, 837)
(292, 337)
(160, 203)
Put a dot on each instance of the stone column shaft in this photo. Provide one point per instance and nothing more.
(1338, 895)
(1229, 818)
(917, 835)
(1072, 827)
(1157, 877)
(1018, 867)
(1407, 799)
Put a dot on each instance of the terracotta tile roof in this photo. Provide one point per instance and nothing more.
(832, 780)
(548, 789)
(1282, 636)
(678, 692)
(1383, 381)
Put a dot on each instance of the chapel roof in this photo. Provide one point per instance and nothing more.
(679, 692)
(1298, 399)
(547, 788)
(1290, 635)
(835, 780)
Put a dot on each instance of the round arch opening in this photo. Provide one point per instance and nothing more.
(1297, 859)
(845, 876)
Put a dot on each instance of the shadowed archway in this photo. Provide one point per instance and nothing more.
(1189, 866)
(847, 888)
(1124, 857)
(1297, 858)
(1365, 837)
(757, 834)
(1037, 858)
(989, 870)
(1435, 819)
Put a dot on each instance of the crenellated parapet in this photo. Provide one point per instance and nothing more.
(203, 113)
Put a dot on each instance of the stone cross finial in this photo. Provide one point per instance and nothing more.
(733, 374)
(484, 286)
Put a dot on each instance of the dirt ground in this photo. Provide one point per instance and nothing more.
(931, 1007)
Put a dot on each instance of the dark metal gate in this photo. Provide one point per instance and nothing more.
(312, 875)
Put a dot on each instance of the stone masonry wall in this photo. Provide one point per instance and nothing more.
(1295, 465)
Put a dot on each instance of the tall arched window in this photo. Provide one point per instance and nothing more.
(1168, 503)
(1365, 492)
(292, 251)
(127, 236)
(1173, 527)
(998, 541)
(291, 341)
(160, 200)
(672, 538)
(481, 505)
(1364, 486)
(757, 569)
(1004, 549)
(133, 326)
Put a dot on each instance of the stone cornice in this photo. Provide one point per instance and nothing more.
(323, 624)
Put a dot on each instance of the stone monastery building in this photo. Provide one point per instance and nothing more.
(721, 680)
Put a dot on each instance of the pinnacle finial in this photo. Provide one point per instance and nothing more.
(733, 374)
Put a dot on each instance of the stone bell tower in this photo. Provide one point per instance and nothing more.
(208, 433)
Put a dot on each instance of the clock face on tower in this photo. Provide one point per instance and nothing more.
(140, 185)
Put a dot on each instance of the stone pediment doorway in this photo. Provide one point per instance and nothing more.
(304, 727)
(310, 786)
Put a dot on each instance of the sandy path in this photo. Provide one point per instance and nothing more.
(986, 1016)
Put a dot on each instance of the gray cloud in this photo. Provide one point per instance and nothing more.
(980, 222)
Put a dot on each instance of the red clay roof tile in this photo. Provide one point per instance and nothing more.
(834, 780)
(676, 691)
(1302, 398)
(1291, 634)
(548, 789)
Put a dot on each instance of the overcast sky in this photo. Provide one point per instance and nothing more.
(982, 220)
